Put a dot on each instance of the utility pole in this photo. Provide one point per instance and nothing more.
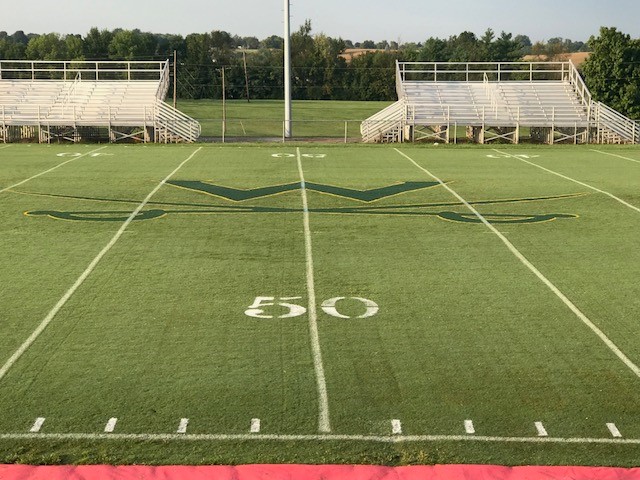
(175, 78)
(246, 75)
(287, 70)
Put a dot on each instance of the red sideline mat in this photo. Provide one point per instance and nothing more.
(313, 472)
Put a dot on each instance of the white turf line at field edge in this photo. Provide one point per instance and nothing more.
(617, 156)
(163, 437)
(324, 425)
(612, 346)
(54, 311)
(51, 169)
(595, 189)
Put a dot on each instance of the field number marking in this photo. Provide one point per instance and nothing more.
(504, 155)
(304, 155)
(256, 309)
(329, 307)
(71, 154)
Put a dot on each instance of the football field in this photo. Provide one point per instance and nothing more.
(319, 304)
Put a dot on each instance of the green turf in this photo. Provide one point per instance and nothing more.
(263, 118)
(465, 331)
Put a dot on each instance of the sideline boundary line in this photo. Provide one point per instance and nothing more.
(614, 155)
(595, 189)
(578, 313)
(51, 169)
(324, 425)
(58, 306)
(163, 437)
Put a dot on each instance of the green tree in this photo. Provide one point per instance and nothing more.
(466, 48)
(11, 50)
(505, 49)
(372, 76)
(612, 71)
(74, 47)
(50, 46)
(96, 44)
(132, 45)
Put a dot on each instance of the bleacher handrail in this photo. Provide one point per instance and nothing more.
(475, 71)
(67, 70)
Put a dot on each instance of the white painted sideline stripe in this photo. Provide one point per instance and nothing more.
(396, 427)
(111, 425)
(54, 311)
(324, 425)
(578, 313)
(319, 437)
(255, 425)
(51, 169)
(37, 425)
(182, 427)
(615, 433)
(614, 155)
(542, 432)
(595, 189)
(469, 428)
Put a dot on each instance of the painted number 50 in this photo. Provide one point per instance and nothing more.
(257, 308)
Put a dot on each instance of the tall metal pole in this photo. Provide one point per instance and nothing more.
(224, 108)
(287, 70)
(175, 78)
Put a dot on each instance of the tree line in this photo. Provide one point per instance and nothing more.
(319, 68)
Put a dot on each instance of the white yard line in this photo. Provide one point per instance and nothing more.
(578, 313)
(595, 189)
(144, 437)
(2, 147)
(324, 425)
(51, 169)
(614, 155)
(54, 311)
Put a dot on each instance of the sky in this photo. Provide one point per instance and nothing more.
(355, 20)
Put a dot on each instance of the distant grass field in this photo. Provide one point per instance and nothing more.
(263, 118)
(319, 304)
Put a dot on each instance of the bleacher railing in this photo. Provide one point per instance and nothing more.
(87, 70)
(476, 71)
(609, 119)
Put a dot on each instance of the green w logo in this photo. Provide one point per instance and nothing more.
(239, 195)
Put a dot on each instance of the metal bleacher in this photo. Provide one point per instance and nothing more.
(74, 101)
(496, 101)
